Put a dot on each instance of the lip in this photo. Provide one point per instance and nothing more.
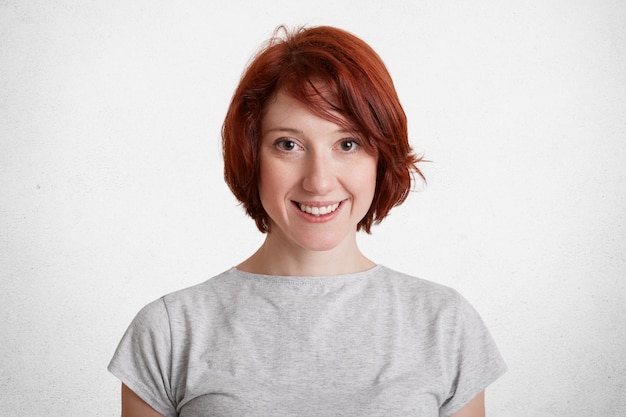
(322, 218)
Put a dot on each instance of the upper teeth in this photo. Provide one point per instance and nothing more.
(318, 211)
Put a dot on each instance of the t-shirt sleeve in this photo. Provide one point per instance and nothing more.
(143, 359)
(475, 360)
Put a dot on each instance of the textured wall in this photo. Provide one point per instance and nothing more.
(111, 190)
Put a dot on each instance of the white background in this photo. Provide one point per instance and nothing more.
(111, 190)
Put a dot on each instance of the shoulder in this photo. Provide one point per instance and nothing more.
(201, 293)
(165, 309)
(198, 306)
(429, 303)
(419, 290)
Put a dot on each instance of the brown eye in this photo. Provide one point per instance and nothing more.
(348, 145)
(285, 145)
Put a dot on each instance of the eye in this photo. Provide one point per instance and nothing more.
(285, 145)
(348, 145)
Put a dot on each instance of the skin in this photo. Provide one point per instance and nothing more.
(133, 406)
(306, 159)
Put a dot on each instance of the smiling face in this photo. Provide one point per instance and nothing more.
(316, 181)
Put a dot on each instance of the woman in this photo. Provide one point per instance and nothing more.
(316, 148)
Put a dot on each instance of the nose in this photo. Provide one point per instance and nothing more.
(319, 176)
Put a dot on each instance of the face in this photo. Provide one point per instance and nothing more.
(316, 181)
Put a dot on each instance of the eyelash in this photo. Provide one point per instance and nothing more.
(355, 144)
(280, 144)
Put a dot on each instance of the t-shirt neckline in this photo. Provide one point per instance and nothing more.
(305, 279)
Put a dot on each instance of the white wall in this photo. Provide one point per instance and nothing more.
(111, 190)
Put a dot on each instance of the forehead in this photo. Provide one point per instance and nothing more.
(285, 113)
(285, 110)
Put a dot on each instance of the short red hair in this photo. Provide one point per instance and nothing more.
(357, 86)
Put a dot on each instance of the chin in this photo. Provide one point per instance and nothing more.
(320, 242)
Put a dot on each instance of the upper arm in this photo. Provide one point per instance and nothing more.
(474, 408)
(133, 406)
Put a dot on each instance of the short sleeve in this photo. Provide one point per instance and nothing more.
(142, 360)
(475, 362)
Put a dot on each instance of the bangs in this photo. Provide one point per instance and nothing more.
(323, 96)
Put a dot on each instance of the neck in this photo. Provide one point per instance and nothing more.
(275, 257)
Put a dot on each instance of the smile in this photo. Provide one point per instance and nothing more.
(318, 210)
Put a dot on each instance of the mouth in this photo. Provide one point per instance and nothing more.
(317, 209)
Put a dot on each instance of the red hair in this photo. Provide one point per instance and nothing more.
(356, 85)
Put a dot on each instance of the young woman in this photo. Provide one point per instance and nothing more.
(315, 148)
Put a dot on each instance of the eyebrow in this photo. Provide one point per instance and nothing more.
(296, 131)
(283, 129)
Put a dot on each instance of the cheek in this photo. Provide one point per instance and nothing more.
(363, 182)
(273, 181)
(265, 182)
(369, 175)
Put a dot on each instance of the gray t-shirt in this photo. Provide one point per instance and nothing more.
(375, 343)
